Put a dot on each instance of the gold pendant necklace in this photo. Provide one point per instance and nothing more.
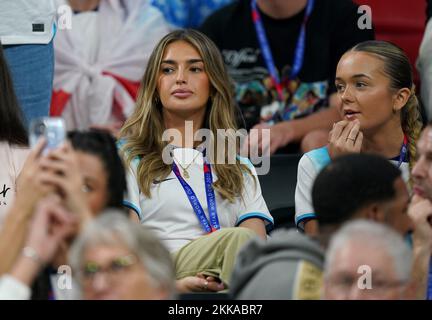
(185, 172)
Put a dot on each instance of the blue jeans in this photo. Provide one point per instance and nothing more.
(32, 70)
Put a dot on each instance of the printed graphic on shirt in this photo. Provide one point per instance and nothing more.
(257, 95)
(309, 282)
(3, 193)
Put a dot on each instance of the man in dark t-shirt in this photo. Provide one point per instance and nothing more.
(287, 100)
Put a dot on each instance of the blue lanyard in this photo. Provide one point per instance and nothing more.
(265, 48)
(404, 151)
(213, 225)
(429, 287)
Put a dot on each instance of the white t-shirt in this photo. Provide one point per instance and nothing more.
(308, 168)
(12, 159)
(169, 213)
(27, 21)
(13, 289)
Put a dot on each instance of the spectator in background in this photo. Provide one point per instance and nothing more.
(380, 112)
(101, 167)
(100, 60)
(50, 225)
(116, 259)
(368, 261)
(27, 28)
(85, 176)
(421, 211)
(282, 56)
(424, 64)
(188, 14)
(289, 265)
(376, 191)
(89, 177)
(382, 199)
(13, 139)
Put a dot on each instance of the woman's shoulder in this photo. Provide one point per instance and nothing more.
(318, 158)
(245, 161)
(13, 156)
(124, 150)
(18, 152)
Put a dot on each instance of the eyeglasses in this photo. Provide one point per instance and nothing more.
(345, 284)
(113, 270)
(85, 188)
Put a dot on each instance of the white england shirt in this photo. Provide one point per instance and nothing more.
(169, 213)
(309, 167)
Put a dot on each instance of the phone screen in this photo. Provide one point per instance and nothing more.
(53, 129)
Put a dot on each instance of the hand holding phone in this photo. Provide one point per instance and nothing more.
(52, 129)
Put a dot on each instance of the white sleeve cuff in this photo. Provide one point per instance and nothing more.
(13, 289)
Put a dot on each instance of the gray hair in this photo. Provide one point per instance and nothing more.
(377, 235)
(111, 228)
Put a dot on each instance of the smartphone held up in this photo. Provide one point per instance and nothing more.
(53, 129)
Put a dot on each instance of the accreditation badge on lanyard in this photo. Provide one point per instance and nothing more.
(429, 287)
(403, 155)
(268, 56)
(213, 224)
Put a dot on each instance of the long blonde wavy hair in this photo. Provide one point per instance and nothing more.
(143, 131)
(398, 69)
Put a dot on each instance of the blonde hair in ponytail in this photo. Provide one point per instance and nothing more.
(412, 125)
(398, 68)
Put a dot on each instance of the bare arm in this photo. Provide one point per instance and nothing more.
(311, 227)
(133, 216)
(13, 235)
(256, 225)
(50, 225)
(323, 119)
(16, 225)
(286, 132)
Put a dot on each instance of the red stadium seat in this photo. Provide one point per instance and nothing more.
(401, 22)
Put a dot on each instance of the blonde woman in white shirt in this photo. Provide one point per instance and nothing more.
(186, 80)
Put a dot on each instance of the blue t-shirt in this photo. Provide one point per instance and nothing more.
(188, 14)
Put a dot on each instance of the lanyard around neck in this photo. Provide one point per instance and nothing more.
(404, 151)
(266, 51)
(213, 225)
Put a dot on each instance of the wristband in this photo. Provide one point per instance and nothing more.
(31, 253)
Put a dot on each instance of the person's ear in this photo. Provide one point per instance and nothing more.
(374, 212)
(400, 98)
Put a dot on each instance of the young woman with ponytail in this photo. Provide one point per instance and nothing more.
(380, 115)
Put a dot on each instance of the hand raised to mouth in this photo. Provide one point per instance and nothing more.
(345, 137)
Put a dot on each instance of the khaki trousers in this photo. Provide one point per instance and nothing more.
(213, 254)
